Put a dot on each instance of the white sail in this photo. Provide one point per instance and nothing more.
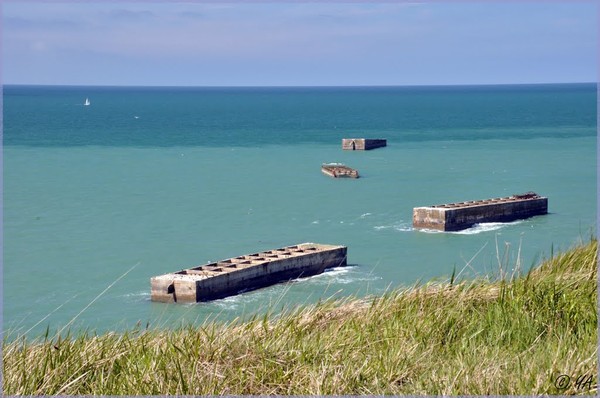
(87, 102)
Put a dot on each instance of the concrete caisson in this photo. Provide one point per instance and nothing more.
(463, 215)
(362, 144)
(231, 276)
(338, 170)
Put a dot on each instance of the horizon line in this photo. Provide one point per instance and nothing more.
(295, 86)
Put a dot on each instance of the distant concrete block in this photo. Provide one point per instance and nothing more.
(362, 144)
(338, 170)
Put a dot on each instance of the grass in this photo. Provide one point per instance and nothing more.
(479, 337)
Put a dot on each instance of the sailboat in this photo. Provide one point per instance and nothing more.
(87, 102)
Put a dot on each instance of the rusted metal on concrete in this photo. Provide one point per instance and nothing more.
(362, 144)
(338, 170)
(231, 276)
(463, 215)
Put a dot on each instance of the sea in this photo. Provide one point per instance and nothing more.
(149, 180)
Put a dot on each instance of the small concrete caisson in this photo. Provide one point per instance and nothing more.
(229, 277)
(362, 144)
(463, 215)
(338, 170)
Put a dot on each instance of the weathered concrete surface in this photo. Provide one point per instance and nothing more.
(463, 215)
(228, 277)
(362, 144)
(338, 170)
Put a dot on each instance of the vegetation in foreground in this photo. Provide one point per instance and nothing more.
(520, 336)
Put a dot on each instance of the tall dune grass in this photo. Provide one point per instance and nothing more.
(479, 337)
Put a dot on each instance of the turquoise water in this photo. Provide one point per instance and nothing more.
(152, 180)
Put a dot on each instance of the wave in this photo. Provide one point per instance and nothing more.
(475, 229)
(137, 296)
(233, 302)
(485, 227)
(339, 275)
(330, 272)
(401, 227)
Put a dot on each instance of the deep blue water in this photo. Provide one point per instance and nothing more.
(49, 116)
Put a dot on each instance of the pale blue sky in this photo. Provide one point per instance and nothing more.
(290, 44)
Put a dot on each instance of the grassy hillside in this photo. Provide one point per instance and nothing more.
(480, 337)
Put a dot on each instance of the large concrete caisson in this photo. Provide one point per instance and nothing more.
(362, 144)
(463, 215)
(228, 277)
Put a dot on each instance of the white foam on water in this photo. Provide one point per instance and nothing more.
(485, 227)
(475, 229)
(137, 296)
(339, 275)
(380, 227)
(329, 272)
(401, 227)
(336, 271)
(479, 228)
(365, 215)
(430, 231)
(231, 302)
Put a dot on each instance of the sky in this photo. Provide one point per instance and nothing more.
(298, 43)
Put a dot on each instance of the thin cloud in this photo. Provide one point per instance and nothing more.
(302, 41)
(18, 23)
(125, 14)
